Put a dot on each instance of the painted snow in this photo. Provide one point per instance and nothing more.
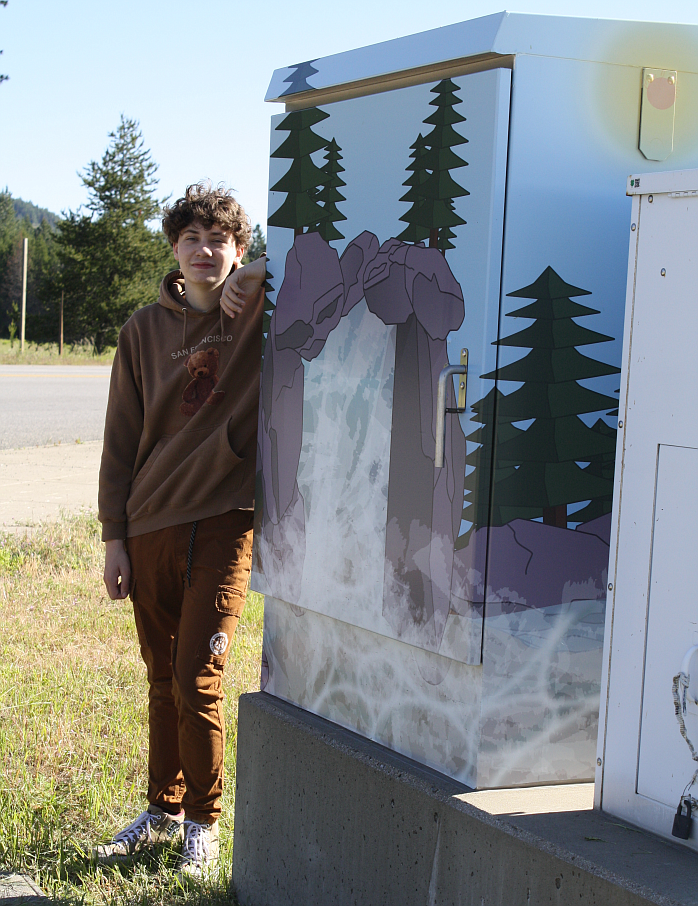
(346, 439)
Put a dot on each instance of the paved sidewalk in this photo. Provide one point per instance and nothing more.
(38, 483)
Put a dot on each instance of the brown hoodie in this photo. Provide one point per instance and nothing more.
(181, 430)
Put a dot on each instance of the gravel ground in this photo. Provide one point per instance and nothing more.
(38, 483)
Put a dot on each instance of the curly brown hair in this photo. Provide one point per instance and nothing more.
(207, 205)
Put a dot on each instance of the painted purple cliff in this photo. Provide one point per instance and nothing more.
(413, 287)
(404, 285)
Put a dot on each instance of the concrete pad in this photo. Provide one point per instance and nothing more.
(325, 816)
(37, 483)
(16, 889)
(533, 800)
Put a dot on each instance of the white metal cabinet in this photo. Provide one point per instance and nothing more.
(643, 762)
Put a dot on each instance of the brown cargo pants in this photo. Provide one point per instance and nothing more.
(188, 591)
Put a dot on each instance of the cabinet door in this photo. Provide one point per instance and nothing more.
(555, 415)
(645, 764)
(384, 239)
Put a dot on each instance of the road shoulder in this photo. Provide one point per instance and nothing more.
(40, 483)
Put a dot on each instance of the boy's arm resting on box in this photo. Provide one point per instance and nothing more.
(242, 285)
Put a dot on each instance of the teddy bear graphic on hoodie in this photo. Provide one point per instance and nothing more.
(202, 366)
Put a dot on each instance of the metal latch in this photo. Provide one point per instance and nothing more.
(442, 409)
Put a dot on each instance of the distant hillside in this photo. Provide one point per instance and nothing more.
(34, 213)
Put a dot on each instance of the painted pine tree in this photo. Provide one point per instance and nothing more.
(603, 466)
(298, 79)
(419, 175)
(443, 243)
(478, 482)
(549, 451)
(433, 207)
(303, 178)
(269, 306)
(329, 194)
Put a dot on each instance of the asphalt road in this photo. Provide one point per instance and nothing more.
(48, 404)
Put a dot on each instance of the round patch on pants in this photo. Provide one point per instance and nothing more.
(218, 643)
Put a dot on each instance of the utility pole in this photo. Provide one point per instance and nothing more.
(25, 254)
(60, 342)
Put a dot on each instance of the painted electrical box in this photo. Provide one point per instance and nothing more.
(647, 748)
(454, 197)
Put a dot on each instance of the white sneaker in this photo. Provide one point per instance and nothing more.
(200, 851)
(150, 828)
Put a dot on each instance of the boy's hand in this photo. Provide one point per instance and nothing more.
(243, 284)
(117, 566)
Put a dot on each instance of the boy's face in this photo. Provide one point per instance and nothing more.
(206, 257)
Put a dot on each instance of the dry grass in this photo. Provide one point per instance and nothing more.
(47, 354)
(73, 737)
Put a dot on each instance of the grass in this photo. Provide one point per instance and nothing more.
(73, 737)
(47, 354)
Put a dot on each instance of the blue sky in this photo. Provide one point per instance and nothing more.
(194, 74)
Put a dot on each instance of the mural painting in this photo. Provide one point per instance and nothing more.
(454, 614)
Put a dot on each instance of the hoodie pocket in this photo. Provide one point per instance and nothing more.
(189, 468)
(148, 464)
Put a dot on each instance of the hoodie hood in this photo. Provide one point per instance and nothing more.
(173, 296)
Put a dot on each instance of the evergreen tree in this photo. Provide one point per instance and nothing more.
(269, 306)
(302, 180)
(549, 451)
(487, 470)
(258, 245)
(298, 78)
(603, 466)
(11, 289)
(413, 232)
(443, 242)
(9, 235)
(111, 262)
(433, 207)
(42, 306)
(41, 265)
(329, 194)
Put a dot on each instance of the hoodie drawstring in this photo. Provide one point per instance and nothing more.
(190, 553)
(184, 329)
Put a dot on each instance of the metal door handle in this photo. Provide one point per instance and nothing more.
(441, 408)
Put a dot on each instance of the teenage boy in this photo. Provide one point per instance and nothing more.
(175, 502)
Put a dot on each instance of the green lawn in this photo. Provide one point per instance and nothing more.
(73, 736)
(47, 354)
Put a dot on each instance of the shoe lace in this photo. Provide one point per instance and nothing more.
(132, 834)
(196, 841)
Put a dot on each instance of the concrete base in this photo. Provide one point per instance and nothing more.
(324, 816)
(19, 889)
